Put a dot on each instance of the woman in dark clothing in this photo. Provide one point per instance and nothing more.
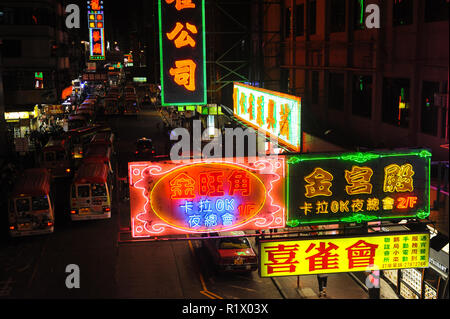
(322, 280)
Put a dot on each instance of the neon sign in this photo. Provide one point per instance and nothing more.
(356, 187)
(96, 30)
(206, 196)
(182, 51)
(277, 114)
(337, 255)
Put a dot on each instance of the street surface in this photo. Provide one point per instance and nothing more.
(112, 265)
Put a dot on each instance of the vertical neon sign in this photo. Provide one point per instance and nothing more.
(182, 52)
(96, 23)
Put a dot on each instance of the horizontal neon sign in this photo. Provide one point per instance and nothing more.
(206, 196)
(337, 255)
(355, 187)
(277, 114)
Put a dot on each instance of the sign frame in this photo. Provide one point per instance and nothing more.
(343, 237)
(155, 218)
(278, 95)
(357, 158)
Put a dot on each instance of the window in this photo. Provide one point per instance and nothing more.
(98, 190)
(234, 243)
(362, 95)
(429, 118)
(337, 16)
(7, 16)
(403, 12)
(358, 9)
(11, 48)
(300, 20)
(23, 205)
(396, 101)
(315, 87)
(39, 203)
(336, 91)
(312, 17)
(83, 191)
(287, 23)
(436, 10)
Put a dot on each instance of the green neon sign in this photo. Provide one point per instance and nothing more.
(358, 187)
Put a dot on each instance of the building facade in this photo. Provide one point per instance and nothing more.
(373, 87)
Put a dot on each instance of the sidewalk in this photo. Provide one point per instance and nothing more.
(339, 286)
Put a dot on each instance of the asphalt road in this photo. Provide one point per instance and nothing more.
(35, 267)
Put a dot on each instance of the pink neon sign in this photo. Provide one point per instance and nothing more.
(206, 196)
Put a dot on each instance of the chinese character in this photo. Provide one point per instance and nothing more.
(182, 187)
(306, 208)
(323, 259)
(227, 219)
(194, 221)
(95, 5)
(361, 254)
(359, 180)
(97, 48)
(182, 37)
(96, 35)
(357, 205)
(211, 220)
(243, 102)
(281, 258)
(388, 203)
(260, 111)
(285, 115)
(251, 106)
(373, 204)
(398, 178)
(182, 4)
(205, 206)
(239, 181)
(184, 73)
(319, 183)
(271, 121)
(322, 207)
(211, 184)
(188, 206)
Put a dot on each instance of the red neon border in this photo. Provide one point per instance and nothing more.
(140, 226)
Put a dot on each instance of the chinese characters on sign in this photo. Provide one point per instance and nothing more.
(357, 187)
(277, 114)
(209, 196)
(182, 52)
(96, 30)
(333, 255)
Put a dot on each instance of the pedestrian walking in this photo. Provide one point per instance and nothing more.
(322, 280)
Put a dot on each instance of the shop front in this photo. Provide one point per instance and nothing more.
(20, 124)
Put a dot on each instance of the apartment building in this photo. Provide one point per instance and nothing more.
(374, 87)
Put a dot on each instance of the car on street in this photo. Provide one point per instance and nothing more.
(144, 149)
(231, 254)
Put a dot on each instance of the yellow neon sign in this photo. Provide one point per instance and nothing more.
(335, 255)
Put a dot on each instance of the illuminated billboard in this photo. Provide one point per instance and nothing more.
(203, 196)
(96, 23)
(277, 114)
(358, 187)
(337, 254)
(182, 52)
